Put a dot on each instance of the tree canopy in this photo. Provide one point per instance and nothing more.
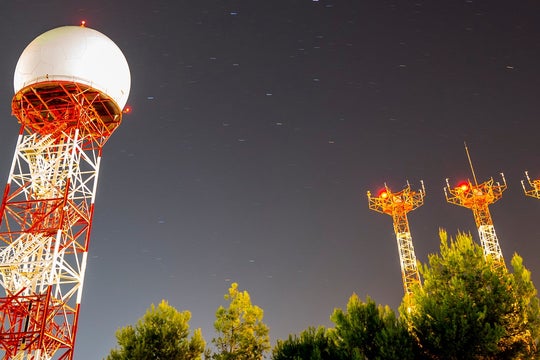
(364, 330)
(313, 344)
(370, 331)
(471, 307)
(161, 334)
(242, 335)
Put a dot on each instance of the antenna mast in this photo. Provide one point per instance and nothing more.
(470, 163)
(478, 197)
(397, 205)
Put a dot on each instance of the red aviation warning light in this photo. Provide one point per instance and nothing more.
(534, 190)
(68, 100)
(398, 205)
(478, 197)
(463, 187)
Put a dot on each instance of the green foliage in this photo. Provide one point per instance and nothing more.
(161, 334)
(370, 331)
(313, 344)
(469, 307)
(242, 334)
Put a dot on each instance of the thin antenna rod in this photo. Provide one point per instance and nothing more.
(470, 163)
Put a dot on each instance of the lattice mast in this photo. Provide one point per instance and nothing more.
(478, 197)
(534, 190)
(397, 205)
(48, 204)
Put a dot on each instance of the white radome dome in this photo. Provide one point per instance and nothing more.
(77, 54)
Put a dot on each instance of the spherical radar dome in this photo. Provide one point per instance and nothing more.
(76, 54)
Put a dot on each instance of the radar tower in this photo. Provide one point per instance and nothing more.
(71, 84)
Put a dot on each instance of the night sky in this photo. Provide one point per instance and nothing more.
(257, 128)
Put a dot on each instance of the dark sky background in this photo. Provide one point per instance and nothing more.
(257, 128)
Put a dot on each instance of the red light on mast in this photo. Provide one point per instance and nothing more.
(463, 186)
(383, 194)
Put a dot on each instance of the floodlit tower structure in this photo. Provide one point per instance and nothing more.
(534, 190)
(397, 205)
(71, 84)
(478, 197)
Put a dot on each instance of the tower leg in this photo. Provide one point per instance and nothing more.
(489, 242)
(45, 228)
(407, 257)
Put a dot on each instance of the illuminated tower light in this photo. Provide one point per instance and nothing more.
(534, 190)
(397, 205)
(478, 197)
(71, 84)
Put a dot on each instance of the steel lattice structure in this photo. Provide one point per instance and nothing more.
(478, 197)
(46, 215)
(534, 190)
(397, 205)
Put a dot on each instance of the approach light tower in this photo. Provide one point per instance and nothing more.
(534, 191)
(71, 84)
(397, 205)
(478, 197)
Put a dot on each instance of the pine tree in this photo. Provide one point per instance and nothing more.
(161, 334)
(370, 331)
(313, 344)
(242, 333)
(469, 307)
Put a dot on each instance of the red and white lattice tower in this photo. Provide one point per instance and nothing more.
(397, 205)
(71, 84)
